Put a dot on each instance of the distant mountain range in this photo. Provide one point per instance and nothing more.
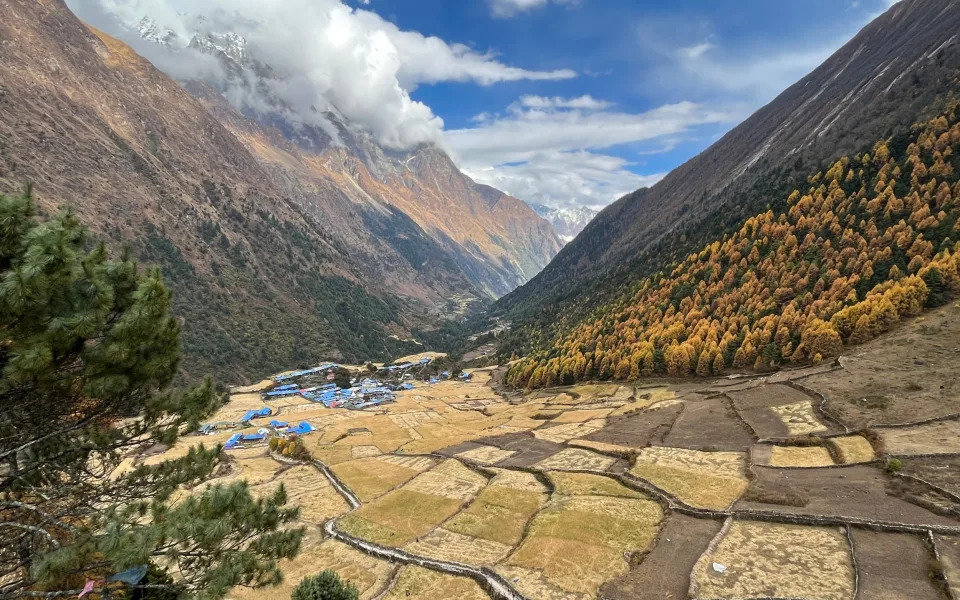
(285, 242)
(567, 222)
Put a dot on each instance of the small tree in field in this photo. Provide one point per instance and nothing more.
(88, 351)
(325, 586)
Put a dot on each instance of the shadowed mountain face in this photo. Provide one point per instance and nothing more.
(281, 248)
(900, 68)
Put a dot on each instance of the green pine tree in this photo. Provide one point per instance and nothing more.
(88, 351)
(325, 586)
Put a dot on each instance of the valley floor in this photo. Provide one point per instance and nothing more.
(838, 481)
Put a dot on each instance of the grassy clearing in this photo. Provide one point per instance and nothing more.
(370, 478)
(774, 560)
(398, 517)
(800, 456)
(499, 514)
(417, 582)
(853, 449)
(585, 484)
(577, 459)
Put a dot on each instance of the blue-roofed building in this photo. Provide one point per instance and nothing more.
(253, 414)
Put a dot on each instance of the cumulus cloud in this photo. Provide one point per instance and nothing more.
(550, 150)
(508, 8)
(325, 54)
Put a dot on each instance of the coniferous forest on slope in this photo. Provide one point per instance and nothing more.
(870, 240)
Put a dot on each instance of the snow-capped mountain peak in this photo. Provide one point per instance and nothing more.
(568, 222)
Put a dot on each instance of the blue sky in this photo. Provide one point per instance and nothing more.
(561, 102)
(636, 55)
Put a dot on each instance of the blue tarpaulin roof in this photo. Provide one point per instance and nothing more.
(276, 423)
(302, 428)
(253, 414)
(253, 437)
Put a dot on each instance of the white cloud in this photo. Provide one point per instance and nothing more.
(508, 8)
(585, 102)
(326, 54)
(550, 150)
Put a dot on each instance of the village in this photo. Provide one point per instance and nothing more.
(377, 385)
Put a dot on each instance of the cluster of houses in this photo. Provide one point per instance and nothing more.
(316, 385)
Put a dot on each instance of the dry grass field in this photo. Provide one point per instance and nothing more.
(501, 511)
(370, 478)
(759, 560)
(578, 542)
(799, 418)
(576, 459)
(585, 484)
(417, 582)
(448, 545)
(853, 449)
(800, 456)
(702, 479)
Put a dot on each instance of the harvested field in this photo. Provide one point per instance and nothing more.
(535, 584)
(665, 571)
(949, 549)
(486, 455)
(449, 479)
(906, 375)
(799, 456)
(893, 566)
(447, 545)
(859, 491)
(779, 561)
(579, 416)
(579, 542)
(603, 447)
(777, 411)
(567, 431)
(370, 575)
(576, 459)
(799, 418)
(399, 517)
(501, 511)
(370, 478)
(417, 582)
(309, 489)
(709, 424)
(933, 438)
(585, 484)
(639, 429)
(703, 479)
(852, 449)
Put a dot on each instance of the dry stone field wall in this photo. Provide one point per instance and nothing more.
(744, 488)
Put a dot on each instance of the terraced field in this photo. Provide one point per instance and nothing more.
(743, 488)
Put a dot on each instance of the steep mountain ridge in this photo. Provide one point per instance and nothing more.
(277, 255)
(899, 68)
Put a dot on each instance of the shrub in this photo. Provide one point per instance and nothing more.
(894, 465)
(325, 586)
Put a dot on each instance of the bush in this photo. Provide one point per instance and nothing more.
(325, 586)
(894, 465)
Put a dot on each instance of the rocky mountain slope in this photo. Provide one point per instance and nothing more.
(567, 222)
(900, 68)
(279, 252)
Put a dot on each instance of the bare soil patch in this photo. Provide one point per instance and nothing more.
(933, 438)
(949, 549)
(639, 429)
(665, 571)
(859, 491)
(529, 450)
(893, 566)
(773, 560)
(709, 424)
(943, 472)
(907, 375)
(777, 411)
